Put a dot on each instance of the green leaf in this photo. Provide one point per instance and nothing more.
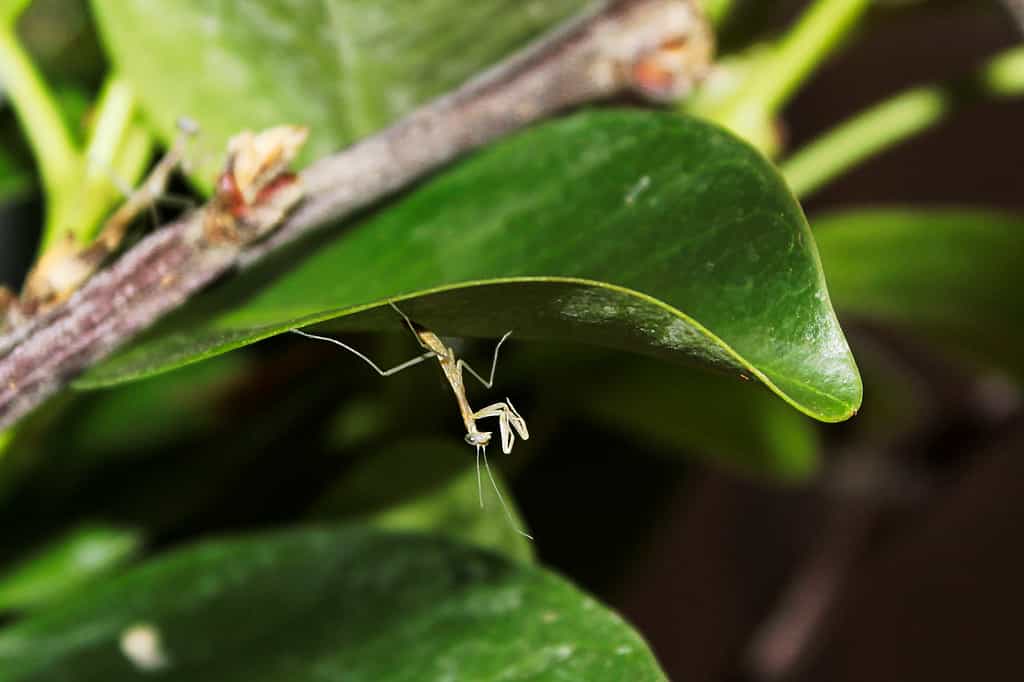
(343, 67)
(634, 230)
(953, 275)
(67, 563)
(348, 604)
(425, 485)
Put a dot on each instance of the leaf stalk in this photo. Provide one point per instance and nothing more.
(751, 111)
(911, 112)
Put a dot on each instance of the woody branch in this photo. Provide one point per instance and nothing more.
(654, 48)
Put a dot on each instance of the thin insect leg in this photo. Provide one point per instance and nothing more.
(181, 202)
(141, 199)
(175, 200)
(383, 372)
(501, 499)
(462, 364)
(123, 188)
(409, 324)
(154, 213)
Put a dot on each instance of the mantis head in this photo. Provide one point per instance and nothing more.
(479, 439)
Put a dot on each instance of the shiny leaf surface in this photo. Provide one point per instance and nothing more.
(634, 230)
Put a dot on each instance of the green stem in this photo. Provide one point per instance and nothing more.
(11, 10)
(717, 10)
(113, 115)
(133, 156)
(804, 48)
(751, 111)
(114, 112)
(79, 186)
(38, 114)
(909, 113)
(1003, 75)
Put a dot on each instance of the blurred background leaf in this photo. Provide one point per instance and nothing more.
(303, 604)
(952, 276)
(69, 562)
(343, 67)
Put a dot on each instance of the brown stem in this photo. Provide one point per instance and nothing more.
(655, 48)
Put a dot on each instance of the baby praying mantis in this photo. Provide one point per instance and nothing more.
(510, 422)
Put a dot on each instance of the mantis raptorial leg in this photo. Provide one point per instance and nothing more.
(510, 422)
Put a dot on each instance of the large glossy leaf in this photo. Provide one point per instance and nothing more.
(954, 275)
(637, 230)
(342, 67)
(351, 604)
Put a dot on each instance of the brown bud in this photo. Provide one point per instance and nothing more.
(670, 71)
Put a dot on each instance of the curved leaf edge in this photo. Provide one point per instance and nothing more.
(253, 335)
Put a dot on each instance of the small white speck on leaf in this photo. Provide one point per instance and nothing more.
(141, 644)
(564, 651)
(637, 189)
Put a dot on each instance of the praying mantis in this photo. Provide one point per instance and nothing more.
(510, 422)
